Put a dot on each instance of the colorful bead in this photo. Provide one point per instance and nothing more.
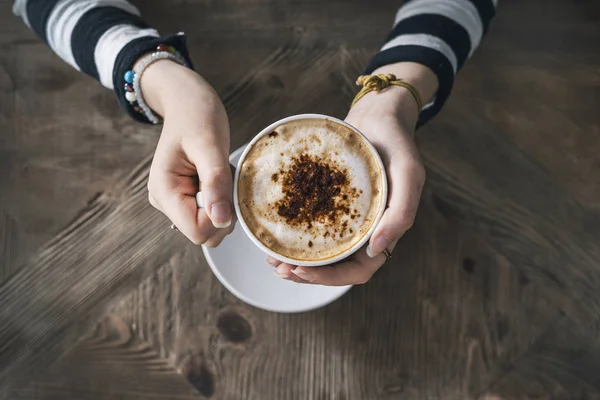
(130, 96)
(132, 80)
(129, 75)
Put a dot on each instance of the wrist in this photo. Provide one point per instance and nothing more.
(397, 100)
(393, 101)
(165, 83)
(418, 75)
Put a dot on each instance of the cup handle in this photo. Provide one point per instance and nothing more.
(199, 200)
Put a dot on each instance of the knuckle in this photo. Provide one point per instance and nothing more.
(205, 230)
(152, 186)
(295, 279)
(407, 219)
(393, 232)
(364, 278)
(198, 144)
(412, 167)
(151, 200)
(197, 239)
(231, 227)
(198, 236)
(416, 170)
(213, 242)
(402, 223)
(420, 173)
(218, 176)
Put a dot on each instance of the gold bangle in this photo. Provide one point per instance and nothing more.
(376, 83)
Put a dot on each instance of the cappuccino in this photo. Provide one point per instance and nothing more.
(311, 189)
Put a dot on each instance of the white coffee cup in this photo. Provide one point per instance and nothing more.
(274, 254)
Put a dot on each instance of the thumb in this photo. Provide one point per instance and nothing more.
(216, 183)
(406, 185)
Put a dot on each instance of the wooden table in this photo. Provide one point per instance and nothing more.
(492, 295)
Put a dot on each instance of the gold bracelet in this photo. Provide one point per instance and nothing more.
(376, 83)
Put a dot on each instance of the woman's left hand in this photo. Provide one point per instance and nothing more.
(388, 119)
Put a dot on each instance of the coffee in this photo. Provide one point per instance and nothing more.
(310, 189)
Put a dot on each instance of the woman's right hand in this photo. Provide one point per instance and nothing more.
(192, 153)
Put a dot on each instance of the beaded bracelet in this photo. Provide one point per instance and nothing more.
(133, 90)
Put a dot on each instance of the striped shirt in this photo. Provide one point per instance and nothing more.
(103, 38)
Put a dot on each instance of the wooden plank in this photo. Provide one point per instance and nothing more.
(529, 218)
(497, 168)
(443, 320)
(354, 23)
(63, 138)
(8, 245)
(562, 364)
(464, 180)
(49, 304)
(112, 363)
(104, 252)
(537, 84)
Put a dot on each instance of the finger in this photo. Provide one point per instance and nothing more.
(219, 235)
(172, 190)
(169, 194)
(406, 184)
(192, 222)
(273, 261)
(350, 272)
(211, 158)
(284, 270)
(295, 279)
(154, 203)
(356, 270)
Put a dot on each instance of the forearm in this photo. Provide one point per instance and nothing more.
(440, 36)
(102, 38)
(88, 35)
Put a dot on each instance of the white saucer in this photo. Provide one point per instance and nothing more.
(243, 269)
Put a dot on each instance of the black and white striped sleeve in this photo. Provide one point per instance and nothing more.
(440, 34)
(102, 38)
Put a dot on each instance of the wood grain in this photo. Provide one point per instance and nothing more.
(442, 321)
(8, 245)
(562, 364)
(67, 283)
(63, 138)
(112, 363)
(491, 296)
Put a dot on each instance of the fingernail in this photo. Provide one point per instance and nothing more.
(302, 274)
(376, 246)
(220, 214)
(273, 261)
(284, 276)
(282, 270)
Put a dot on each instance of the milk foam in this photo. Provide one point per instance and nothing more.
(259, 191)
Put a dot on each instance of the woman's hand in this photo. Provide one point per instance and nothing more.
(192, 153)
(388, 119)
